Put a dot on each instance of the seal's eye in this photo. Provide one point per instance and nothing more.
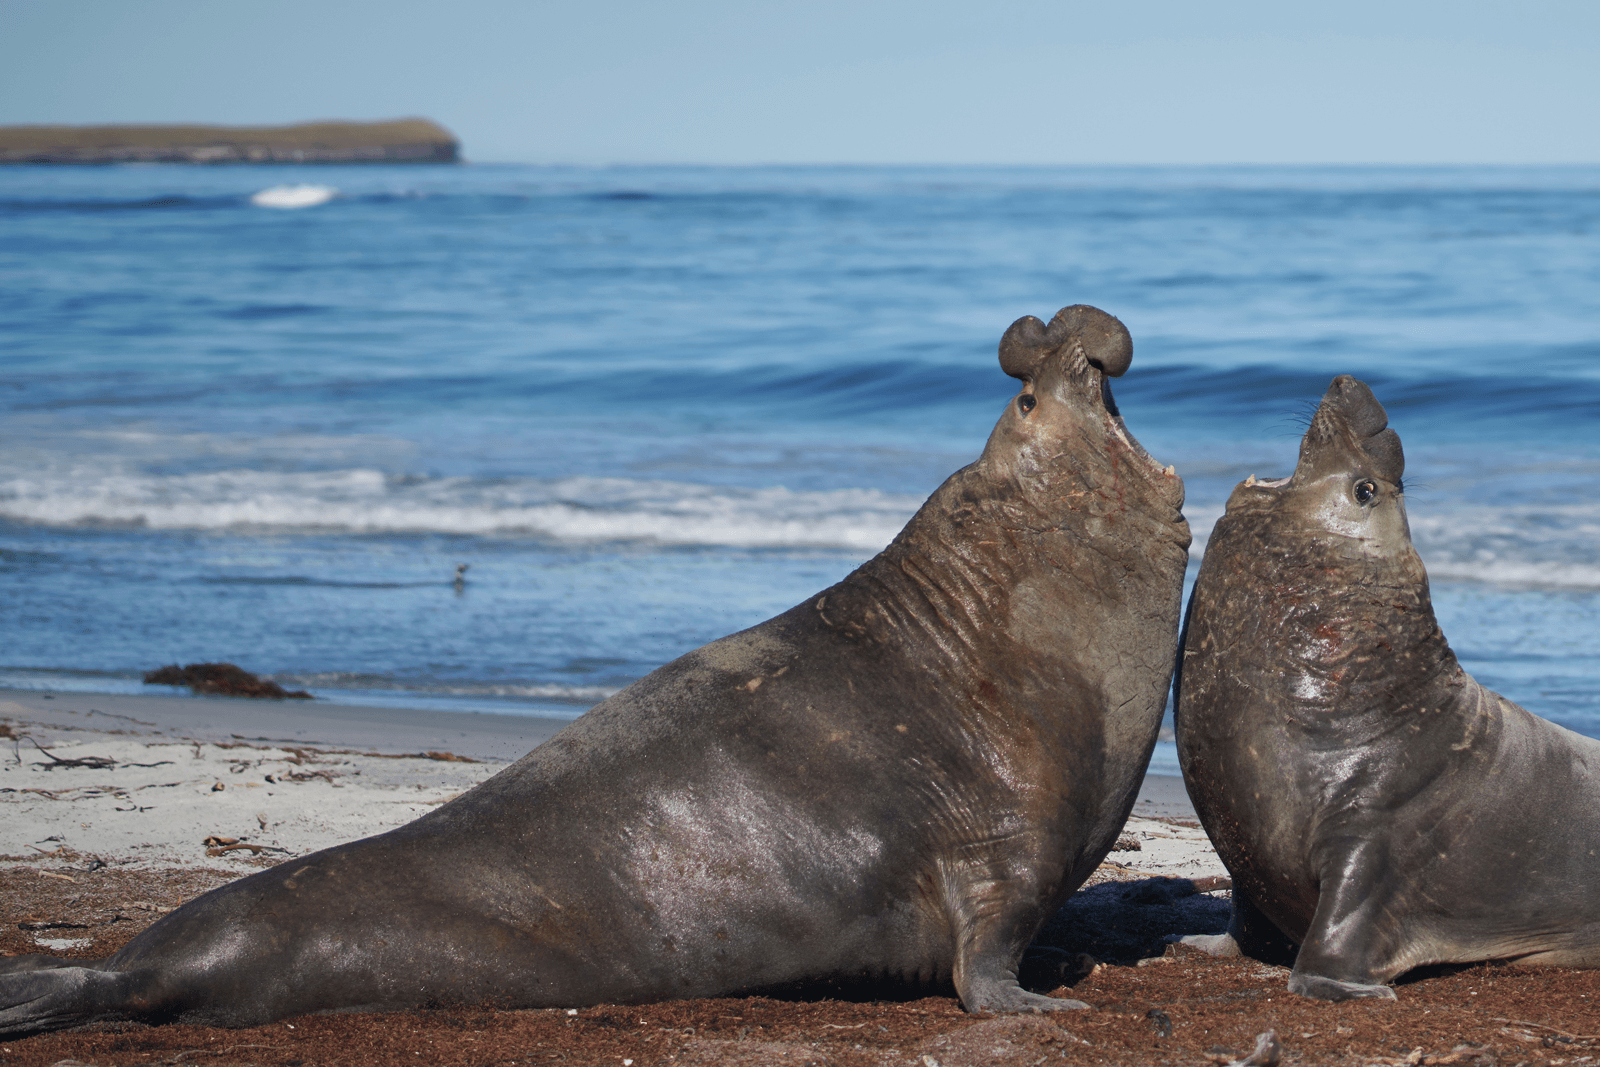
(1026, 402)
(1366, 490)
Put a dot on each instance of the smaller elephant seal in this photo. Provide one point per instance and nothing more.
(896, 781)
(1372, 802)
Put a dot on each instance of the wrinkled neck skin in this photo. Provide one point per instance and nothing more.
(1360, 653)
(1009, 567)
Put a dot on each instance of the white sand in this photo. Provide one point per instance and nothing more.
(182, 773)
(161, 801)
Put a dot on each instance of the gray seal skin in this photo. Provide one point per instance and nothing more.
(1371, 800)
(896, 781)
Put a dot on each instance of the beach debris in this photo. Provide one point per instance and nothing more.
(1554, 1030)
(1267, 1053)
(442, 757)
(1127, 843)
(222, 679)
(306, 776)
(1161, 1021)
(98, 763)
(216, 845)
(1466, 1054)
(302, 754)
(217, 787)
(1212, 883)
(114, 715)
(52, 924)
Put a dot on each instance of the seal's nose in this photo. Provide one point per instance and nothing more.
(1358, 406)
(1353, 401)
(1104, 340)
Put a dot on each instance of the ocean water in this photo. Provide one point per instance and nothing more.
(650, 406)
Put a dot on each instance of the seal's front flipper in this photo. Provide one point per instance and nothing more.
(1320, 988)
(1350, 948)
(992, 933)
(1003, 994)
(987, 981)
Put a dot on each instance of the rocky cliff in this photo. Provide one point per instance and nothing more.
(400, 141)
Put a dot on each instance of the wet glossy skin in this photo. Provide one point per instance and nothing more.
(896, 781)
(1373, 802)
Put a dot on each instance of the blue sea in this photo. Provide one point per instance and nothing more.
(650, 406)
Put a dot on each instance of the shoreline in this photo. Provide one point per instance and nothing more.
(477, 735)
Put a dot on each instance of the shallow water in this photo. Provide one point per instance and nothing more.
(651, 406)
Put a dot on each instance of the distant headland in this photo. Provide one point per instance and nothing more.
(400, 141)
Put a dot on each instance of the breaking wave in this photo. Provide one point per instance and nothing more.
(370, 501)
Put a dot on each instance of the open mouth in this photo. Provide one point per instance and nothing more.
(1119, 428)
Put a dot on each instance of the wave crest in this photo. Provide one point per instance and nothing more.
(370, 501)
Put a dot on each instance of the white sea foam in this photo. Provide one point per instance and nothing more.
(1513, 572)
(345, 682)
(1527, 545)
(367, 500)
(294, 196)
(1542, 544)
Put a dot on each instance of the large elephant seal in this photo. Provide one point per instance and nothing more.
(897, 780)
(1373, 802)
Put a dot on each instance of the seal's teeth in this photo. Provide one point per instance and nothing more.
(1250, 480)
(1169, 469)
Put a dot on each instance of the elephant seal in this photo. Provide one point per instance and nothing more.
(897, 780)
(1371, 800)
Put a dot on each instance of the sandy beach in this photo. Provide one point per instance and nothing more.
(117, 809)
(142, 782)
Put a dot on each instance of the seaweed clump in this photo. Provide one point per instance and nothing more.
(222, 679)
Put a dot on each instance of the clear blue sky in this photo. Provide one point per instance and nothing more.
(856, 81)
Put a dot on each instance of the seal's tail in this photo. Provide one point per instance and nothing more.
(37, 997)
